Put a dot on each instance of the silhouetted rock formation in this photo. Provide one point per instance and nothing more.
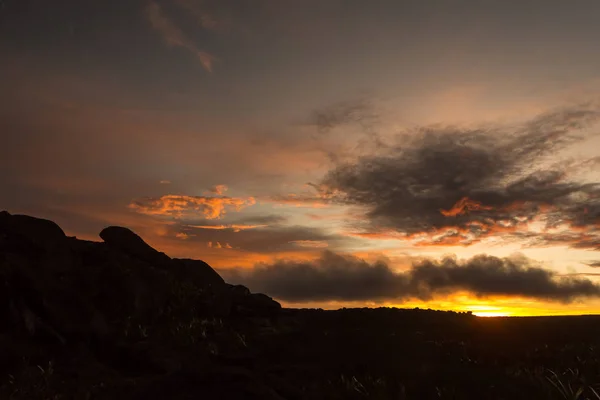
(124, 240)
(196, 271)
(36, 233)
(61, 291)
(73, 285)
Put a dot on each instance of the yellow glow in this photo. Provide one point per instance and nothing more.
(491, 313)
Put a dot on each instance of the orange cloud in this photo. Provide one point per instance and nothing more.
(218, 245)
(235, 227)
(317, 244)
(386, 234)
(181, 205)
(463, 206)
(174, 36)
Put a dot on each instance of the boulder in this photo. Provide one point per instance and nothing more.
(196, 271)
(126, 241)
(239, 291)
(246, 303)
(38, 233)
(256, 304)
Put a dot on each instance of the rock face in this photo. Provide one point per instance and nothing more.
(124, 240)
(196, 271)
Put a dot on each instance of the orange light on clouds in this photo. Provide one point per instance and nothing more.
(463, 206)
(234, 227)
(317, 244)
(180, 205)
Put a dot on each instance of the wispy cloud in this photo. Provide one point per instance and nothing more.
(359, 112)
(317, 196)
(265, 239)
(317, 244)
(295, 200)
(234, 227)
(206, 18)
(172, 205)
(174, 36)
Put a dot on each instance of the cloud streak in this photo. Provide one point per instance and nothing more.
(233, 227)
(174, 36)
(335, 277)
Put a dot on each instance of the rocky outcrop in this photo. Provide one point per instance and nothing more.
(30, 232)
(71, 286)
(124, 240)
(196, 271)
(126, 303)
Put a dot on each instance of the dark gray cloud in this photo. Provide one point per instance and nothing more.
(347, 278)
(463, 184)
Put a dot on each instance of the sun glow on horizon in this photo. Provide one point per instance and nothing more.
(491, 314)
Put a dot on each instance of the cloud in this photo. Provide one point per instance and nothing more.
(234, 227)
(238, 224)
(179, 206)
(593, 264)
(182, 236)
(265, 240)
(218, 189)
(348, 278)
(446, 185)
(174, 36)
(318, 197)
(317, 244)
(295, 200)
(206, 17)
(359, 112)
(264, 235)
(268, 219)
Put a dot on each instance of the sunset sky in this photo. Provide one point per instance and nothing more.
(441, 154)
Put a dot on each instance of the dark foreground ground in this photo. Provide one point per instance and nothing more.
(119, 320)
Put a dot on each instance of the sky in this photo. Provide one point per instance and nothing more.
(340, 153)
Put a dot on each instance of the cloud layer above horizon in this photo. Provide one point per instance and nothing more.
(347, 278)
